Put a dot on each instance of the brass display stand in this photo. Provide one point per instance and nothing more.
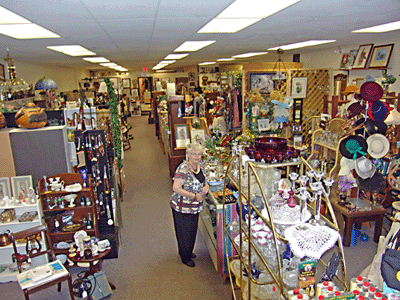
(234, 176)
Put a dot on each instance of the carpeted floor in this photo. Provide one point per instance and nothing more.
(148, 266)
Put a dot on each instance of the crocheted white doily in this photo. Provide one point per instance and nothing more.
(286, 215)
(310, 240)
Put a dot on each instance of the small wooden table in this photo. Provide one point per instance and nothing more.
(93, 268)
(376, 213)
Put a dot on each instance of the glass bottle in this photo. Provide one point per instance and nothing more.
(89, 224)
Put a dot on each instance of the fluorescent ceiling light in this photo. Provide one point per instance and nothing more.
(250, 54)
(303, 44)
(27, 31)
(227, 25)
(225, 59)
(110, 65)
(254, 8)
(167, 62)
(176, 56)
(193, 46)
(207, 63)
(8, 17)
(96, 59)
(72, 50)
(157, 67)
(381, 28)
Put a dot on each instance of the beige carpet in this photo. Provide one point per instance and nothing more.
(148, 266)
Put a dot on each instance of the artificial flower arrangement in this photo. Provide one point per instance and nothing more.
(344, 185)
(388, 78)
(216, 145)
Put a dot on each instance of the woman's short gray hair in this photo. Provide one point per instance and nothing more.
(194, 146)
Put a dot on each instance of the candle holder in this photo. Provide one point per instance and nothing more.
(318, 188)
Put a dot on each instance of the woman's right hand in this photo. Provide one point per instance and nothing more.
(199, 197)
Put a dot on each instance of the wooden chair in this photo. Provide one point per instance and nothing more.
(37, 244)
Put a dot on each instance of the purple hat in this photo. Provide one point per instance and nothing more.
(371, 91)
(355, 109)
(378, 111)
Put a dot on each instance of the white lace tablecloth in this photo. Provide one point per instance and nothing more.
(285, 215)
(311, 240)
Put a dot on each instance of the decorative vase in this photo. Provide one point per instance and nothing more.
(31, 116)
(2, 120)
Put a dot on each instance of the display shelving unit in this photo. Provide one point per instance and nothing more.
(78, 212)
(246, 247)
(16, 226)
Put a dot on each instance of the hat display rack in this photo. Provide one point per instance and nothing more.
(371, 92)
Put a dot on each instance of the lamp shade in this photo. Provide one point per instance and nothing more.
(103, 87)
(45, 84)
(279, 76)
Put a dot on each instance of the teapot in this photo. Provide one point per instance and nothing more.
(5, 238)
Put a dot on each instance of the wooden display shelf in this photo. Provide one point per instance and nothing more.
(67, 208)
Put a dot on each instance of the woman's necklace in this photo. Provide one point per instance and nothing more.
(194, 170)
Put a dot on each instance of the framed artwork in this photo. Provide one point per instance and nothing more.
(5, 190)
(299, 87)
(182, 135)
(20, 186)
(192, 76)
(114, 82)
(262, 82)
(363, 53)
(135, 93)
(198, 135)
(381, 56)
(2, 73)
(352, 57)
(263, 125)
(345, 59)
(126, 83)
(298, 110)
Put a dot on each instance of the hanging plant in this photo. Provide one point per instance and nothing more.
(115, 124)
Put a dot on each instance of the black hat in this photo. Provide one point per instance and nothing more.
(370, 127)
(376, 183)
(353, 146)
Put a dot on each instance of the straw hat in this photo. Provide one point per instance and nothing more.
(378, 145)
(353, 147)
(352, 88)
(371, 91)
(364, 167)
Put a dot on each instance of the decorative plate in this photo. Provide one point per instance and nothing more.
(73, 187)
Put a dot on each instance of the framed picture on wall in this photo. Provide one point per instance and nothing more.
(381, 56)
(5, 190)
(126, 83)
(198, 135)
(20, 186)
(2, 73)
(182, 135)
(299, 87)
(352, 57)
(363, 53)
(261, 82)
(345, 59)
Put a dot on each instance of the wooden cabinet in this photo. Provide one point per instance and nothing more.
(56, 213)
(16, 226)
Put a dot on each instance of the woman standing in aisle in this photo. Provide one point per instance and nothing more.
(190, 185)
